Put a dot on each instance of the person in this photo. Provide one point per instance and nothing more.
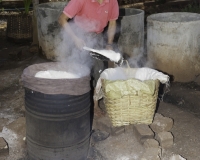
(91, 16)
(85, 21)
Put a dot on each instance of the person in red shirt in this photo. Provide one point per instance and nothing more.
(90, 16)
(89, 19)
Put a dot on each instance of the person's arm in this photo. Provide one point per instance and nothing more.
(111, 33)
(63, 21)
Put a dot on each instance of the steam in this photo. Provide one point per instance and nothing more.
(138, 59)
(81, 61)
(68, 54)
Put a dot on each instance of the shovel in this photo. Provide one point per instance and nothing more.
(106, 55)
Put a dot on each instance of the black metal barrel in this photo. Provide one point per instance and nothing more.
(58, 125)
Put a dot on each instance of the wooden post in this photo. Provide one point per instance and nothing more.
(34, 21)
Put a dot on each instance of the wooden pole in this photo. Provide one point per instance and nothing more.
(34, 21)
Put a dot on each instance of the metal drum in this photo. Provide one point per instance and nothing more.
(58, 125)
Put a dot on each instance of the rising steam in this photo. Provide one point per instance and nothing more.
(68, 54)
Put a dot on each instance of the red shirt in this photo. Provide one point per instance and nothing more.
(90, 15)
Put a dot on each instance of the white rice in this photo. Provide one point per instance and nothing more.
(51, 74)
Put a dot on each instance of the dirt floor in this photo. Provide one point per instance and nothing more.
(181, 103)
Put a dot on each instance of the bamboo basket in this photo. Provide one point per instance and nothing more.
(19, 27)
(138, 108)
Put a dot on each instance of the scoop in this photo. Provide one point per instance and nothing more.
(106, 55)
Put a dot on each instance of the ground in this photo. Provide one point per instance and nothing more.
(181, 104)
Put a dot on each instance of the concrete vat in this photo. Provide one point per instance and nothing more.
(130, 26)
(48, 28)
(173, 44)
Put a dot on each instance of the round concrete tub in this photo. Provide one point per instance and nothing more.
(130, 31)
(173, 44)
(48, 28)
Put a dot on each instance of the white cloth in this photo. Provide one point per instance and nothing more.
(148, 73)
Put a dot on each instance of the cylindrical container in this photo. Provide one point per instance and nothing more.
(48, 27)
(58, 117)
(173, 44)
(130, 31)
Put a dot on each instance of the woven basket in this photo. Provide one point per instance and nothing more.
(136, 108)
(19, 27)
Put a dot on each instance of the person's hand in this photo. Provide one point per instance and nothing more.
(109, 47)
(79, 43)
